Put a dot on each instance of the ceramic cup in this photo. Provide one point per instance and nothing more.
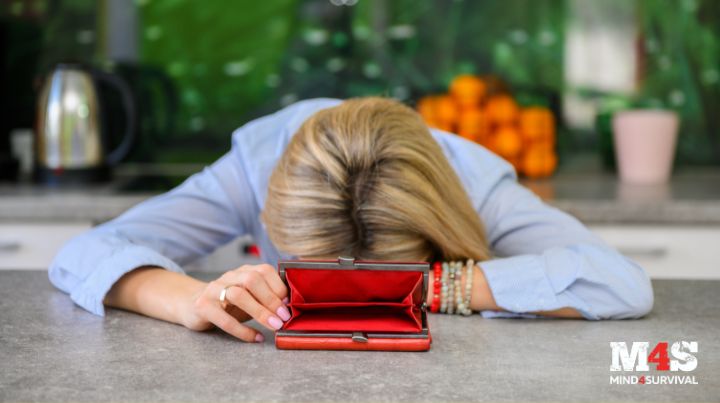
(645, 144)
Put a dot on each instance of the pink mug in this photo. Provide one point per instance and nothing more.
(645, 144)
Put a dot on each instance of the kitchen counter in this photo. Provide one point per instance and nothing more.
(692, 198)
(51, 350)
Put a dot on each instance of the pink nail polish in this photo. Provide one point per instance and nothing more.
(275, 322)
(259, 338)
(286, 300)
(283, 313)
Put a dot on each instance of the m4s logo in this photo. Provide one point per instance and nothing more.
(637, 358)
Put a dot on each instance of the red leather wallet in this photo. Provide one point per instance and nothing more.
(346, 304)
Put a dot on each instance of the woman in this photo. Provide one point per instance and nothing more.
(363, 177)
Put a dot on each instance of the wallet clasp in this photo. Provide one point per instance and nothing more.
(359, 337)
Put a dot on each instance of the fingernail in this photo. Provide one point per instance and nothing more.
(259, 338)
(275, 322)
(283, 313)
(286, 300)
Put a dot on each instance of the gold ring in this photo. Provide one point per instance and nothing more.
(223, 294)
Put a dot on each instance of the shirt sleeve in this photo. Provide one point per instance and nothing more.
(548, 260)
(209, 209)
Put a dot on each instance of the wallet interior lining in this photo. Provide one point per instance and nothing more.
(327, 285)
(363, 300)
(361, 318)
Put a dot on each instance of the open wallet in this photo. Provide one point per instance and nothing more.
(349, 304)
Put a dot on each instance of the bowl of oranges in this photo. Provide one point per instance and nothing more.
(479, 110)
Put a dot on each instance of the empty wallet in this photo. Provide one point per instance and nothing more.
(349, 304)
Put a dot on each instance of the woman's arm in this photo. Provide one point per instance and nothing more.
(482, 298)
(546, 261)
(133, 262)
(157, 293)
(207, 210)
(549, 261)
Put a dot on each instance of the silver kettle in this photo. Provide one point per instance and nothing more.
(70, 139)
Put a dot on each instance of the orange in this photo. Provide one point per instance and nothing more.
(537, 124)
(472, 124)
(468, 90)
(502, 109)
(446, 110)
(426, 108)
(538, 163)
(488, 141)
(545, 143)
(507, 142)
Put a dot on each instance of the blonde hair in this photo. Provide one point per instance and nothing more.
(367, 179)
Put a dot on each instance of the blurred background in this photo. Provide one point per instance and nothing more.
(208, 67)
(569, 91)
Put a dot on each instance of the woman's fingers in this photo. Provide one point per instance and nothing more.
(244, 299)
(254, 291)
(273, 279)
(217, 316)
(253, 295)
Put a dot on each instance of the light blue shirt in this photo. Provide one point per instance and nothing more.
(545, 258)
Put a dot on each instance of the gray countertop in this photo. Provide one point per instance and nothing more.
(51, 350)
(690, 198)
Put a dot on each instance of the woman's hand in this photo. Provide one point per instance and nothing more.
(253, 292)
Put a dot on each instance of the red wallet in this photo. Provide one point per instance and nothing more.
(348, 304)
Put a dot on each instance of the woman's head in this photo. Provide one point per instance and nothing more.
(367, 179)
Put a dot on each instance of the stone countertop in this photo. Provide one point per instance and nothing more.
(691, 198)
(51, 350)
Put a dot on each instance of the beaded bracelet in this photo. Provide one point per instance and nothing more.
(451, 288)
(448, 295)
(437, 283)
(468, 287)
(444, 288)
(458, 287)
